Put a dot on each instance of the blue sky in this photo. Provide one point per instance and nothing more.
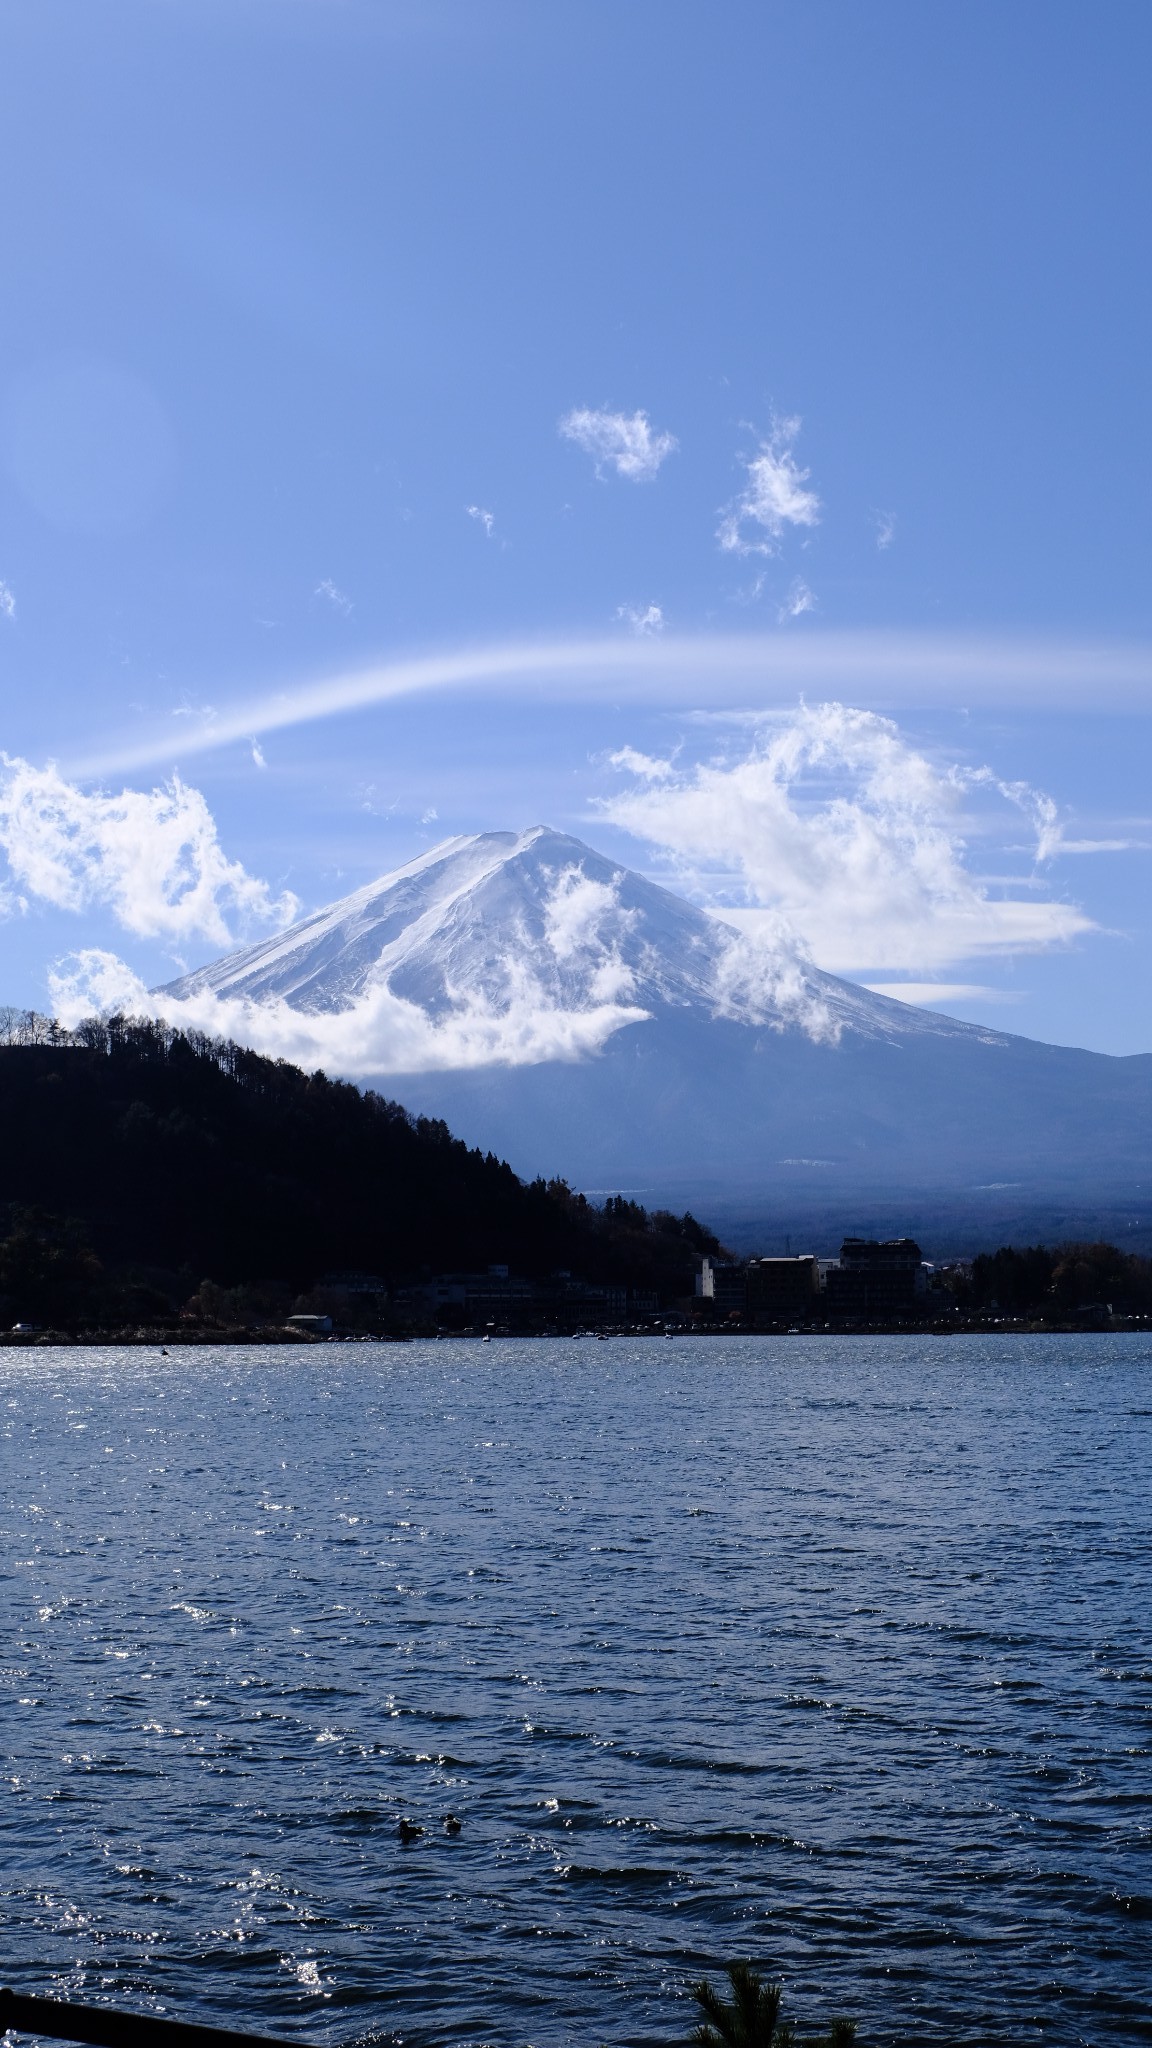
(847, 313)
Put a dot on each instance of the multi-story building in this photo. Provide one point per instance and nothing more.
(501, 1296)
(494, 1293)
(721, 1282)
(876, 1279)
(783, 1287)
(869, 1280)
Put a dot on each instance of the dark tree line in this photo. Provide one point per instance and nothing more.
(136, 1160)
(1037, 1282)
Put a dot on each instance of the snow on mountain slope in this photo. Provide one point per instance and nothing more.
(505, 924)
(576, 1018)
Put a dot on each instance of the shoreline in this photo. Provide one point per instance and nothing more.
(169, 1341)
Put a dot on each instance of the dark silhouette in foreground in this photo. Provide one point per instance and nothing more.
(136, 1161)
(751, 2017)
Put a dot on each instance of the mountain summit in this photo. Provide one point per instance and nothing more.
(498, 922)
(577, 1018)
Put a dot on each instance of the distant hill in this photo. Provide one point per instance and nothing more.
(693, 1062)
(201, 1158)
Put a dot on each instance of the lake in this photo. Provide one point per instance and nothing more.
(831, 1653)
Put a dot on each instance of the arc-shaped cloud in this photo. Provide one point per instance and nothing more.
(890, 669)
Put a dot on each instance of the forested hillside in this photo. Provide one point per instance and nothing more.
(127, 1145)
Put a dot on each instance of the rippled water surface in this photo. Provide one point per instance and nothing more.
(834, 1654)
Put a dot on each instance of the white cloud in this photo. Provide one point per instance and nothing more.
(258, 754)
(1037, 807)
(885, 529)
(556, 992)
(1042, 813)
(584, 925)
(486, 519)
(798, 601)
(7, 601)
(683, 669)
(96, 983)
(336, 598)
(832, 820)
(650, 620)
(1101, 846)
(762, 978)
(624, 440)
(773, 498)
(380, 1033)
(646, 766)
(152, 858)
(925, 994)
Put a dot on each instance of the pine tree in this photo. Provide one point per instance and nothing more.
(751, 2017)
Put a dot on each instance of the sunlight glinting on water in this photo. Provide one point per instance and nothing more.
(830, 1653)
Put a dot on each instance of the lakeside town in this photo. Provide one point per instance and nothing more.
(873, 1286)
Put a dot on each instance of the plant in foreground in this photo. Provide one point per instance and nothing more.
(751, 2017)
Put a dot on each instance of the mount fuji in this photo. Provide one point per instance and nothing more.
(580, 1020)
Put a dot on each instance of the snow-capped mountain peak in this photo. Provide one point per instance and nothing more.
(576, 1017)
(509, 925)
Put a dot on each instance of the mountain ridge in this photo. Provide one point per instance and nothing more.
(696, 1061)
(396, 930)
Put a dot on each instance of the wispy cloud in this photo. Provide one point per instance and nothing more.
(381, 1033)
(625, 442)
(773, 497)
(152, 858)
(927, 995)
(522, 1003)
(645, 766)
(1100, 846)
(1036, 805)
(335, 597)
(587, 969)
(483, 518)
(833, 820)
(798, 601)
(1042, 814)
(689, 670)
(7, 601)
(885, 524)
(646, 619)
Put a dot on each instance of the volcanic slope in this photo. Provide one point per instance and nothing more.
(698, 1060)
